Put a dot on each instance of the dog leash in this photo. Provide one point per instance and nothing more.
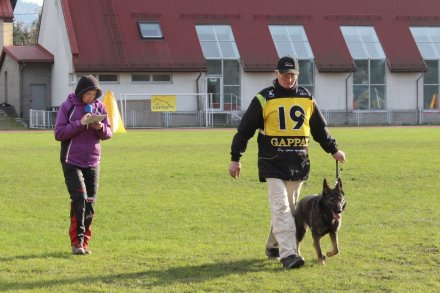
(338, 172)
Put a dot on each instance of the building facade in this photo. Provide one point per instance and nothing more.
(363, 61)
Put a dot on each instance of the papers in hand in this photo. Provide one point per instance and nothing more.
(94, 118)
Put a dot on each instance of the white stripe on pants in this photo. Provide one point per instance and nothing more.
(282, 200)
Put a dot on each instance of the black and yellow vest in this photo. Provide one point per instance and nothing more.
(285, 138)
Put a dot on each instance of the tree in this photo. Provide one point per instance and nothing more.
(26, 35)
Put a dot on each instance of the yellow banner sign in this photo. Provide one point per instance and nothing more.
(163, 103)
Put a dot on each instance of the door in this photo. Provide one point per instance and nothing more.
(38, 97)
(214, 85)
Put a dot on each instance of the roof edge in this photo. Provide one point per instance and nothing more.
(69, 27)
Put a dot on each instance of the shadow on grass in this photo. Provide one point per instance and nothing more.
(25, 257)
(150, 279)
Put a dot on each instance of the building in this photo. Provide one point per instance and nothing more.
(364, 61)
(6, 21)
(25, 70)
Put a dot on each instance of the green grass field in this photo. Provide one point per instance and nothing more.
(170, 219)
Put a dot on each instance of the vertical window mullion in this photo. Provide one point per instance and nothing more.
(217, 42)
(292, 47)
(438, 85)
(369, 84)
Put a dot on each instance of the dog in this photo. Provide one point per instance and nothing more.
(323, 214)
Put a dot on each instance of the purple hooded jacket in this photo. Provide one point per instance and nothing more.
(80, 145)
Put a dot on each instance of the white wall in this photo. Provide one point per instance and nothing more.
(252, 83)
(402, 91)
(330, 94)
(53, 37)
(182, 83)
(330, 91)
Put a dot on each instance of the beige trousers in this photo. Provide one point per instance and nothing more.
(282, 200)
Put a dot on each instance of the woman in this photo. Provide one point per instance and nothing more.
(81, 156)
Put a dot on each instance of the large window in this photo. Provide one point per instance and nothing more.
(222, 58)
(428, 42)
(292, 40)
(369, 86)
(217, 42)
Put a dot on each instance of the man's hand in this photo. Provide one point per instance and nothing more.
(339, 156)
(234, 169)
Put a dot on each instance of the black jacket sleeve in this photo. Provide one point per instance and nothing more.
(250, 122)
(320, 133)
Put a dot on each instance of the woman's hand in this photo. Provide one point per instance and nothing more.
(83, 119)
(96, 125)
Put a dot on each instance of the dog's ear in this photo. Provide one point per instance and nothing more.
(339, 184)
(325, 188)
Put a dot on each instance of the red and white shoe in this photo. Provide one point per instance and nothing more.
(78, 249)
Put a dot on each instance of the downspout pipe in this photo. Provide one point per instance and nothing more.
(417, 99)
(23, 65)
(346, 98)
(197, 89)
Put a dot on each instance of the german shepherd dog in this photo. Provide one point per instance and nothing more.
(322, 213)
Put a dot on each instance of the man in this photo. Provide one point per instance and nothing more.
(286, 116)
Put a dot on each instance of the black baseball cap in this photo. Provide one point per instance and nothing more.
(288, 64)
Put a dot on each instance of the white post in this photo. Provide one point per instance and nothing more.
(206, 109)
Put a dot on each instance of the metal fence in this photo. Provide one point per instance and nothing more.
(387, 117)
(40, 119)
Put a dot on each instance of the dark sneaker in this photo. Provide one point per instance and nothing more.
(292, 261)
(78, 249)
(272, 253)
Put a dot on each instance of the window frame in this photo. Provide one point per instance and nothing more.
(151, 78)
(216, 43)
(428, 44)
(143, 36)
(101, 76)
(365, 47)
(282, 37)
(431, 102)
(97, 76)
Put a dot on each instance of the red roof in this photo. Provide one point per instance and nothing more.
(27, 54)
(6, 10)
(104, 35)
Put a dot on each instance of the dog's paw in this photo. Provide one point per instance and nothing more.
(321, 262)
(332, 253)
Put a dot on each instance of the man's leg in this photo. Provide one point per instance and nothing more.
(283, 228)
(293, 189)
(283, 225)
